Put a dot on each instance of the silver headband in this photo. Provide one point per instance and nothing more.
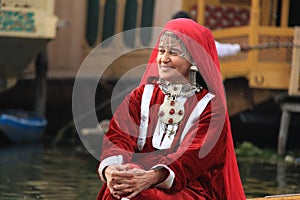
(170, 39)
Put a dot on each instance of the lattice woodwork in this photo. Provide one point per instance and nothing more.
(283, 54)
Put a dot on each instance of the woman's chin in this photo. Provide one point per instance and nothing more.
(167, 78)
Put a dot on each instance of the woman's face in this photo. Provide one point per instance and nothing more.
(172, 66)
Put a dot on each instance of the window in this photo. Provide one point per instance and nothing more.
(92, 22)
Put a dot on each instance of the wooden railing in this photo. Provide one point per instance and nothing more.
(268, 67)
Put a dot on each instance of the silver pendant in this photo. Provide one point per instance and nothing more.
(171, 111)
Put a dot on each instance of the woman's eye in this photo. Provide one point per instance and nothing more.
(161, 51)
(173, 53)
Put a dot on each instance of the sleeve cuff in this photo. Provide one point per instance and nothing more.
(168, 182)
(113, 160)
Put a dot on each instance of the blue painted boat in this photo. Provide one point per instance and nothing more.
(22, 126)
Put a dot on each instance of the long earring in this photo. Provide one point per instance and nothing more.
(193, 79)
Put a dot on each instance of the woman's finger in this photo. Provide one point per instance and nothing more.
(133, 194)
(122, 187)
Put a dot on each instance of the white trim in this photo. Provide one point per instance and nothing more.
(168, 182)
(196, 113)
(168, 139)
(147, 94)
(112, 160)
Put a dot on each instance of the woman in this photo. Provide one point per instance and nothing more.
(171, 137)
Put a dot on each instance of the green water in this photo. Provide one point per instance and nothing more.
(33, 172)
(37, 172)
(263, 178)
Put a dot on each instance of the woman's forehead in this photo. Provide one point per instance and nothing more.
(169, 39)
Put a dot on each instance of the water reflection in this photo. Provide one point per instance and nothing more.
(37, 172)
(33, 172)
(261, 178)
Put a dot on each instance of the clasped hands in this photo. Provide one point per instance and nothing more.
(129, 180)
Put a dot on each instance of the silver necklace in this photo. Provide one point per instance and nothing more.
(175, 89)
(171, 112)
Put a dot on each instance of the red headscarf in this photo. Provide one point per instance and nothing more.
(200, 43)
(198, 40)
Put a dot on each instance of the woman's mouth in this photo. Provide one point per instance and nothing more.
(166, 67)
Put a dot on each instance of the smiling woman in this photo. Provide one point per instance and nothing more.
(170, 138)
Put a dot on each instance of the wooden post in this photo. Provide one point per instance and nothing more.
(41, 67)
(201, 11)
(120, 16)
(287, 108)
(283, 131)
(138, 41)
(294, 77)
(285, 13)
(254, 25)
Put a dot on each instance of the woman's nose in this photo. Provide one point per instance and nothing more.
(165, 57)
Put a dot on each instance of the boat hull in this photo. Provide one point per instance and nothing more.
(22, 128)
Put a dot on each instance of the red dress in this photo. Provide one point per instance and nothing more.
(200, 156)
(195, 178)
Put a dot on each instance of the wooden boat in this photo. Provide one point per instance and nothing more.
(22, 126)
(280, 197)
(25, 29)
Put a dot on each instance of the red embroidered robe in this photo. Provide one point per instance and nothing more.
(202, 165)
(195, 178)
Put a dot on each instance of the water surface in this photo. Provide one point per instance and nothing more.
(33, 172)
(37, 172)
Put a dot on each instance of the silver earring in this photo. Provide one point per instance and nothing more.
(193, 79)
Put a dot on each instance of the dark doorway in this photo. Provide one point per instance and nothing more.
(294, 18)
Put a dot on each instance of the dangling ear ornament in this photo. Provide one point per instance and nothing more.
(193, 78)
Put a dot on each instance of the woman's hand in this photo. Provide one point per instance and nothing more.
(128, 180)
(145, 179)
(117, 175)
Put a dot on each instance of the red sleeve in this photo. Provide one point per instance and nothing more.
(123, 131)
